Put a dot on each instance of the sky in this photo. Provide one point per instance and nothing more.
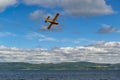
(88, 30)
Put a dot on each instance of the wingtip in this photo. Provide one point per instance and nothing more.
(58, 14)
(48, 28)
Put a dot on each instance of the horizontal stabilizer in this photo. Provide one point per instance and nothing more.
(46, 20)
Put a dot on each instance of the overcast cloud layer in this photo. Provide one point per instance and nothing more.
(101, 52)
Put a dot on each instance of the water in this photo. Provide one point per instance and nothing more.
(60, 75)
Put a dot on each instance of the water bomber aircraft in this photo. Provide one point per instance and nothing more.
(52, 21)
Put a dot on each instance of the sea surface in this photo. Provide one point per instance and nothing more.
(60, 75)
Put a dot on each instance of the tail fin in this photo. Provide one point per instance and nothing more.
(46, 20)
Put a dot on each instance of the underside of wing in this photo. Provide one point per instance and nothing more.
(56, 16)
(50, 26)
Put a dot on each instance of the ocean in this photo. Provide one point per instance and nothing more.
(60, 75)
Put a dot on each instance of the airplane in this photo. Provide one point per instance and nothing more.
(52, 21)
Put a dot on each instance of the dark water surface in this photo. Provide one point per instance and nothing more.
(60, 75)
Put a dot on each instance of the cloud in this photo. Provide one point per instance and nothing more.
(86, 7)
(6, 3)
(76, 7)
(107, 29)
(4, 34)
(76, 41)
(101, 52)
(40, 37)
(45, 3)
(38, 14)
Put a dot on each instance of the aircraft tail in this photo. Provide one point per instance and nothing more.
(46, 20)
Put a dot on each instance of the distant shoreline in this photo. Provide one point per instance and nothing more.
(59, 66)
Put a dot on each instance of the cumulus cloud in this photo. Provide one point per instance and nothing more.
(6, 3)
(87, 7)
(4, 34)
(76, 7)
(101, 52)
(107, 29)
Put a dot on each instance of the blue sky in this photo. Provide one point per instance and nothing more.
(82, 22)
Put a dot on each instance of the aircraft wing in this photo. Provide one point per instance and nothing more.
(56, 16)
(50, 26)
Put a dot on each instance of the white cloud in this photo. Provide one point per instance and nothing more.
(76, 41)
(6, 3)
(4, 34)
(86, 7)
(45, 3)
(107, 29)
(38, 15)
(76, 7)
(101, 52)
(40, 37)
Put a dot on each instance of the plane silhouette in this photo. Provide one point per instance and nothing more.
(52, 21)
